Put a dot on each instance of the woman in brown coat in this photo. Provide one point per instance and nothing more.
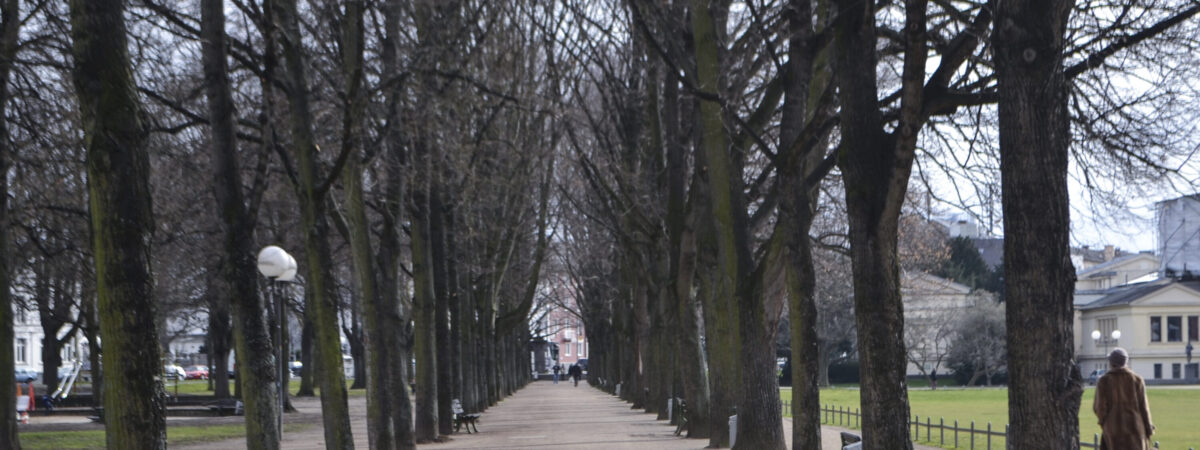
(1121, 406)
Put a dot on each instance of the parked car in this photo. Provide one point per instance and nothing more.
(174, 372)
(582, 364)
(196, 372)
(295, 367)
(26, 375)
(1095, 376)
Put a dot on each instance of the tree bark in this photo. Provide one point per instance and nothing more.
(424, 305)
(736, 278)
(10, 23)
(876, 167)
(441, 286)
(396, 317)
(1045, 385)
(311, 190)
(308, 372)
(118, 174)
(681, 230)
(378, 351)
(798, 192)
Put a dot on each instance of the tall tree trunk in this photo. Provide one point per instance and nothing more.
(437, 244)
(358, 349)
(876, 167)
(394, 316)
(736, 278)
(311, 190)
(681, 233)
(378, 351)
(308, 370)
(90, 321)
(1045, 387)
(52, 318)
(118, 173)
(218, 343)
(251, 338)
(424, 303)
(10, 22)
(796, 210)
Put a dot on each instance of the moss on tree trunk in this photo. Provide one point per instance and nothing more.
(118, 173)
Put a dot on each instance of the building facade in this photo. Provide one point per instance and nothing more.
(1154, 321)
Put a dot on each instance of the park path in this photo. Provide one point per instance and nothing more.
(541, 415)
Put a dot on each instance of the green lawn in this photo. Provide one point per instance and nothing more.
(175, 436)
(1173, 410)
(200, 387)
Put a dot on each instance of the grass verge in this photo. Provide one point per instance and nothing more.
(1173, 412)
(175, 436)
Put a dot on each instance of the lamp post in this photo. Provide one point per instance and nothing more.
(1097, 336)
(278, 265)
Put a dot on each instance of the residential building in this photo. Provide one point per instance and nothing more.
(27, 341)
(1155, 321)
(1146, 305)
(565, 340)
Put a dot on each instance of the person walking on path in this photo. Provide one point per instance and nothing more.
(933, 380)
(557, 369)
(575, 372)
(1121, 406)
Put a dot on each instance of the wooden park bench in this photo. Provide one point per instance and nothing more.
(462, 418)
(226, 407)
(851, 441)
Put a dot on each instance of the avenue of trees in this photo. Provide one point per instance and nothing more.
(702, 179)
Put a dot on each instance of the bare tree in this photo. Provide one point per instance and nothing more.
(10, 22)
(1039, 278)
(251, 338)
(119, 193)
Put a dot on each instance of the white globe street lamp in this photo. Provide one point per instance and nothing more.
(277, 265)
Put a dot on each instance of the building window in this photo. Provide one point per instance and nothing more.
(1193, 328)
(21, 344)
(1157, 371)
(1155, 329)
(1174, 329)
(1175, 370)
(1106, 325)
(1193, 370)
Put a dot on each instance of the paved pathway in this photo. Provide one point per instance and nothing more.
(541, 415)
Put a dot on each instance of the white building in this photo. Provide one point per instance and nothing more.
(27, 341)
(1149, 308)
(1155, 322)
(933, 306)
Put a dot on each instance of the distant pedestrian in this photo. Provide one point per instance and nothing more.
(557, 369)
(575, 372)
(1121, 406)
(933, 379)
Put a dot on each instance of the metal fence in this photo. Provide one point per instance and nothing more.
(970, 436)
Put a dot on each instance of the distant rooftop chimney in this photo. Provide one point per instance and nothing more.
(1110, 252)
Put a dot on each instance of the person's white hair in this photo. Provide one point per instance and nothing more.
(1118, 357)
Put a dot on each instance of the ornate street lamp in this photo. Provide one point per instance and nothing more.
(1097, 335)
